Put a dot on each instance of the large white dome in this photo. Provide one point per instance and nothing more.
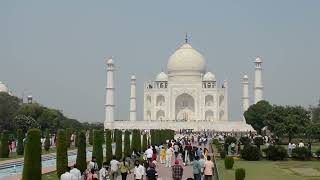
(186, 59)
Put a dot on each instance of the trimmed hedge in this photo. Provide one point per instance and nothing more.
(250, 153)
(81, 153)
(228, 162)
(4, 149)
(301, 153)
(245, 140)
(91, 136)
(20, 148)
(258, 141)
(62, 152)
(230, 139)
(275, 152)
(127, 151)
(97, 146)
(32, 156)
(108, 146)
(47, 141)
(240, 173)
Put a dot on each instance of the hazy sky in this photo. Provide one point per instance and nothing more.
(56, 50)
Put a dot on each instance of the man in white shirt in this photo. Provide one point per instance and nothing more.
(149, 153)
(290, 149)
(139, 171)
(301, 144)
(93, 164)
(114, 166)
(67, 175)
(75, 173)
(104, 172)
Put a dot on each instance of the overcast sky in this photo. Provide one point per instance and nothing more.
(56, 50)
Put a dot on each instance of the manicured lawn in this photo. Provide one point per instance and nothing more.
(273, 170)
(50, 176)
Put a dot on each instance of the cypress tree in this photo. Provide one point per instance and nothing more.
(127, 149)
(97, 146)
(81, 154)
(118, 152)
(47, 141)
(108, 146)
(136, 140)
(62, 152)
(68, 134)
(32, 156)
(91, 137)
(144, 142)
(4, 149)
(20, 142)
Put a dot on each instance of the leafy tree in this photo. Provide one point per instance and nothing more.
(108, 146)
(136, 140)
(9, 106)
(25, 122)
(144, 142)
(315, 113)
(256, 115)
(313, 131)
(62, 152)
(4, 149)
(20, 142)
(258, 141)
(118, 137)
(290, 120)
(81, 155)
(97, 146)
(32, 156)
(47, 140)
(127, 149)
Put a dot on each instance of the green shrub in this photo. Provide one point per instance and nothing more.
(91, 136)
(230, 139)
(228, 162)
(301, 153)
(144, 142)
(136, 140)
(62, 152)
(318, 153)
(97, 146)
(4, 149)
(20, 142)
(215, 141)
(47, 141)
(258, 141)
(32, 156)
(250, 153)
(275, 152)
(68, 136)
(222, 154)
(108, 146)
(81, 153)
(240, 173)
(118, 137)
(127, 151)
(245, 140)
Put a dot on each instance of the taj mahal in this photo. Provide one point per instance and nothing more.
(185, 96)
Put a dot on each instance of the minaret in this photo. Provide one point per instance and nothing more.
(245, 91)
(133, 100)
(109, 106)
(258, 86)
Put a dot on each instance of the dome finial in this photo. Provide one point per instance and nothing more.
(186, 38)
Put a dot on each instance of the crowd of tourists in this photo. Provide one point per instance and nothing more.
(174, 155)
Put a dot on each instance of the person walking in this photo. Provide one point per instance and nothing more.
(114, 166)
(162, 155)
(104, 172)
(139, 171)
(169, 154)
(177, 171)
(76, 173)
(196, 169)
(92, 175)
(66, 175)
(151, 173)
(208, 169)
(124, 169)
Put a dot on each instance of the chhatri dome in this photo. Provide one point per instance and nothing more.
(162, 77)
(209, 77)
(186, 59)
(3, 88)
